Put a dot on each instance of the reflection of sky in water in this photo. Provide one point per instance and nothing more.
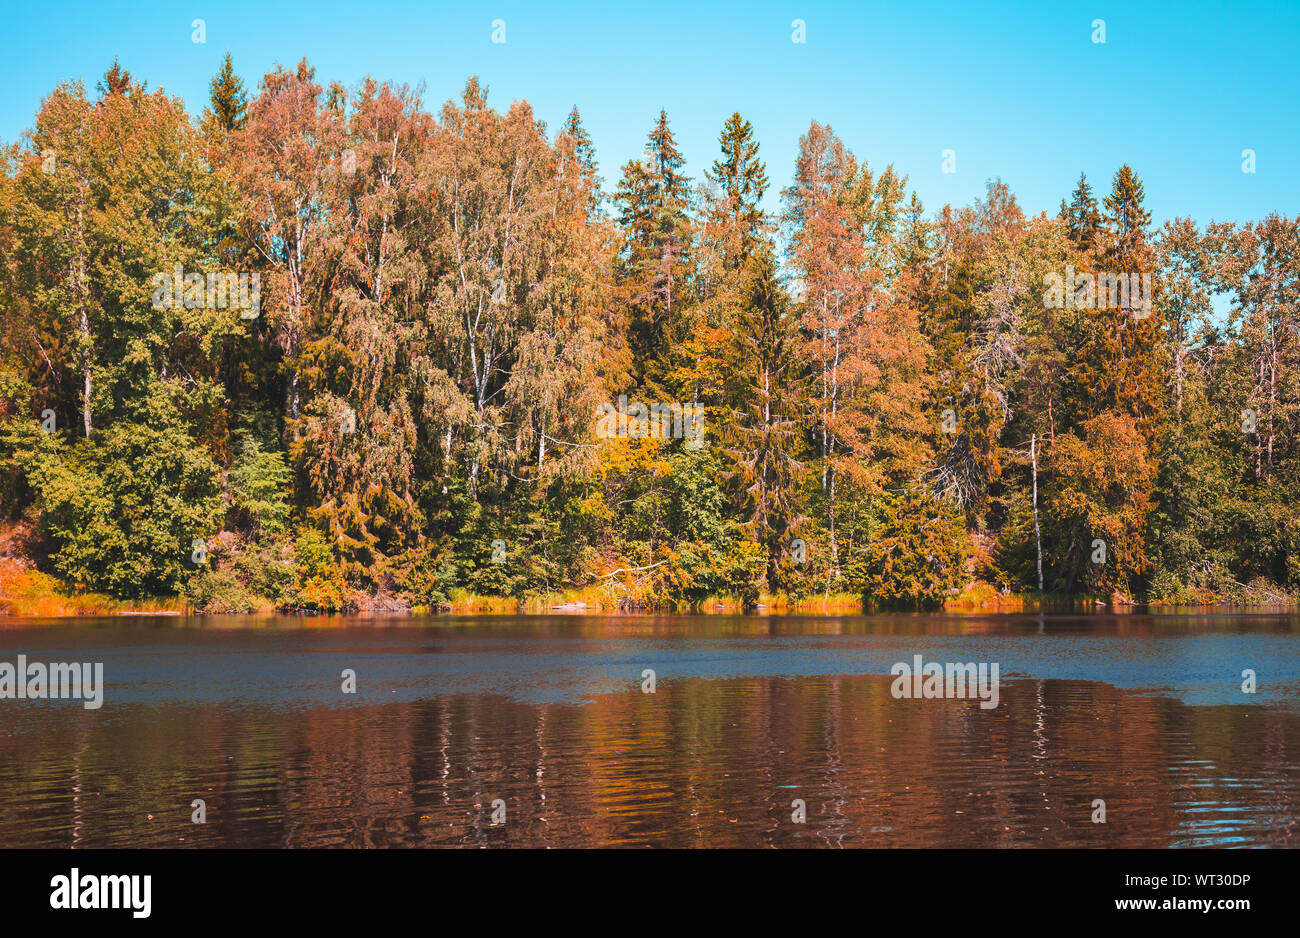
(535, 663)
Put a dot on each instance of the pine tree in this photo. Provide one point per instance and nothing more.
(653, 200)
(742, 177)
(666, 161)
(580, 150)
(229, 102)
(1119, 377)
(584, 150)
(670, 190)
(914, 241)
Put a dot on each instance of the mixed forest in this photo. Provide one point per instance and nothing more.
(443, 300)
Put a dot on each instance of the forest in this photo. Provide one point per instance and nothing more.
(323, 349)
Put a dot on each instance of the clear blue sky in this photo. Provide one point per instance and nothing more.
(1018, 90)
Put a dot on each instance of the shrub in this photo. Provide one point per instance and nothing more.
(319, 584)
(218, 591)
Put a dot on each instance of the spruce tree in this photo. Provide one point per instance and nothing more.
(584, 151)
(228, 99)
(742, 177)
(666, 162)
(1120, 364)
(1082, 220)
(117, 80)
(1125, 215)
(767, 401)
(653, 201)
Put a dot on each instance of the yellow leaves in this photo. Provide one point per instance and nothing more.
(595, 507)
(628, 456)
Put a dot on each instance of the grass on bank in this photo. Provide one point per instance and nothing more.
(30, 593)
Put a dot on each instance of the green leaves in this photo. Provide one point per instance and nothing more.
(918, 556)
(259, 489)
(126, 506)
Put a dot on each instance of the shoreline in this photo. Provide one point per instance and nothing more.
(27, 593)
(487, 608)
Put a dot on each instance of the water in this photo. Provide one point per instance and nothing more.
(547, 714)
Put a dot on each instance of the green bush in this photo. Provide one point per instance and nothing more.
(425, 577)
(267, 570)
(319, 584)
(218, 591)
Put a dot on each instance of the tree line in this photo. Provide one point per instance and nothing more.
(320, 344)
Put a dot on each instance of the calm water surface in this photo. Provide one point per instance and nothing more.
(547, 714)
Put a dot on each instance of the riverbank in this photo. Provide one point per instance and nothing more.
(29, 593)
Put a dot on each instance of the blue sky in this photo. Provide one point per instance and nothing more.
(1017, 90)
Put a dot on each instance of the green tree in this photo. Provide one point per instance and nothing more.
(1126, 216)
(653, 205)
(126, 507)
(742, 179)
(767, 407)
(918, 555)
(259, 486)
(229, 102)
(1082, 220)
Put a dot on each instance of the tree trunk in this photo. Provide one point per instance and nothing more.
(1038, 537)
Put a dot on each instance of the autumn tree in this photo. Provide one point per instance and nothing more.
(359, 436)
(284, 159)
(859, 339)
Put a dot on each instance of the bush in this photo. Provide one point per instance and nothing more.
(267, 570)
(319, 584)
(218, 591)
(425, 577)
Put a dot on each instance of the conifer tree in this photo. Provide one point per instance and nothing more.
(1082, 220)
(742, 179)
(228, 100)
(1125, 215)
(653, 201)
(117, 80)
(582, 152)
(764, 432)
(583, 149)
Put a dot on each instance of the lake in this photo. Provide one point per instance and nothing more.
(534, 731)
